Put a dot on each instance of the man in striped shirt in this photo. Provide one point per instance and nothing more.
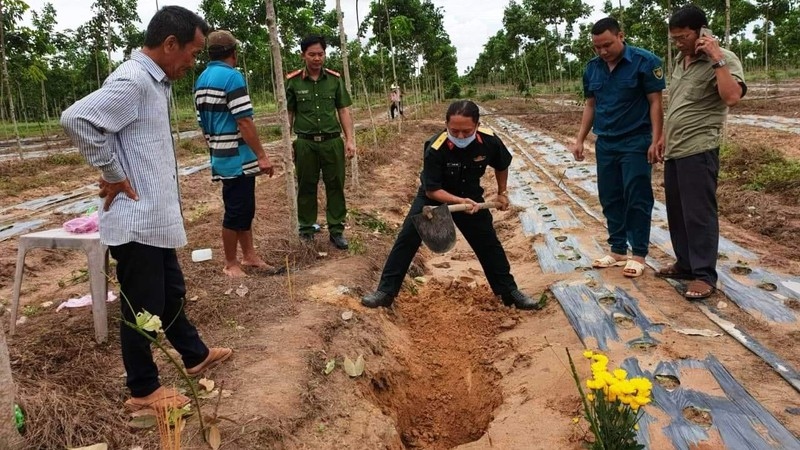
(123, 130)
(226, 117)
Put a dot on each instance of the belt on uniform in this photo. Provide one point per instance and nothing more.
(318, 137)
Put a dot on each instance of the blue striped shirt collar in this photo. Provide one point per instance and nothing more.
(152, 68)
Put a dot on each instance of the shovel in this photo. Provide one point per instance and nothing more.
(435, 224)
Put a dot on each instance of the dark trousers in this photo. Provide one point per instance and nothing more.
(690, 185)
(625, 191)
(477, 230)
(395, 107)
(311, 158)
(151, 280)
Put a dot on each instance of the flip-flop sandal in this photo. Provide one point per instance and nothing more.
(607, 261)
(698, 289)
(215, 356)
(164, 398)
(672, 271)
(633, 269)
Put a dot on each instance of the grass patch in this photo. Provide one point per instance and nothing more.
(356, 246)
(760, 168)
(193, 147)
(371, 222)
(31, 310)
(370, 155)
(269, 133)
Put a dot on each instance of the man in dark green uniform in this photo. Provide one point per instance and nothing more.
(315, 96)
(454, 162)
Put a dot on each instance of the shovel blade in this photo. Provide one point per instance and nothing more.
(436, 228)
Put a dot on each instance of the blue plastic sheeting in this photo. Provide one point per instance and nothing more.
(589, 186)
(737, 416)
(80, 206)
(39, 203)
(582, 172)
(8, 231)
(783, 368)
(192, 169)
(592, 312)
(754, 299)
(777, 122)
(561, 256)
(629, 306)
(585, 314)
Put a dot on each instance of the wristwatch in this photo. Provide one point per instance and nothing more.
(719, 64)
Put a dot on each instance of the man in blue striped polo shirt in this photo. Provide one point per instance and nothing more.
(123, 130)
(623, 87)
(226, 117)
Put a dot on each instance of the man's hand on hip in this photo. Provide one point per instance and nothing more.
(109, 191)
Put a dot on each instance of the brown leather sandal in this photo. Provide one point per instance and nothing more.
(699, 289)
(161, 398)
(672, 271)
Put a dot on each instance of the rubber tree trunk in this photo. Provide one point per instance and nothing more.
(108, 38)
(7, 84)
(728, 24)
(9, 436)
(391, 41)
(349, 86)
(280, 90)
(343, 40)
(669, 43)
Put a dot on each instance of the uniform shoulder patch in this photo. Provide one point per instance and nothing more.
(439, 141)
(294, 74)
(658, 72)
(486, 130)
(333, 72)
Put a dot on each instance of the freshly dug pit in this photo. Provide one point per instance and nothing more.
(449, 390)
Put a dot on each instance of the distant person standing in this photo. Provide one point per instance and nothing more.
(623, 87)
(315, 97)
(226, 117)
(123, 130)
(706, 81)
(395, 105)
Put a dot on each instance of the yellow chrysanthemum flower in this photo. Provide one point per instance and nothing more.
(599, 357)
(588, 354)
(620, 374)
(641, 384)
(590, 397)
(642, 400)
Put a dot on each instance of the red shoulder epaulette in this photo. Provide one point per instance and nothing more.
(294, 74)
(333, 72)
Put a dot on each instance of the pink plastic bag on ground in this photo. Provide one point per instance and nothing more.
(83, 224)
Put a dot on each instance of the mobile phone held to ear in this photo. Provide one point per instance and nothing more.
(705, 32)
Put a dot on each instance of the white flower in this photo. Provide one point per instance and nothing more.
(148, 322)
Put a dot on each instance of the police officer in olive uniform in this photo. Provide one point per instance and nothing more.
(455, 161)
(315, 96)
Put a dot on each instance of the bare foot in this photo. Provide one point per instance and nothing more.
(234, 271)
(254, 261)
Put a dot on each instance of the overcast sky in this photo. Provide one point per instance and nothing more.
(470, 23)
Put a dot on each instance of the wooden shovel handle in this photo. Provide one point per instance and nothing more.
(464, 206)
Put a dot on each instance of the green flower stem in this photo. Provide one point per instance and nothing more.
(589, 412)
(184, 375)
